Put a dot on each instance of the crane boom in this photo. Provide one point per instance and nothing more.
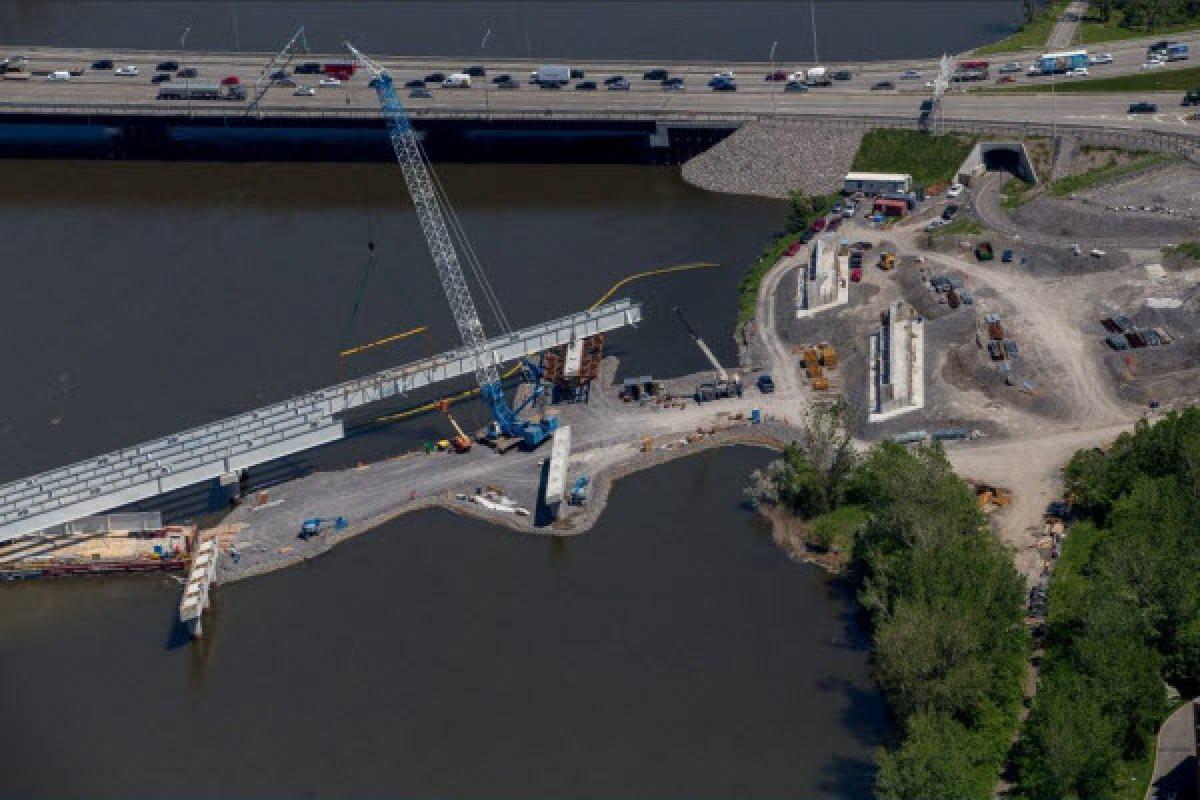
(445, 258)
(704, 348)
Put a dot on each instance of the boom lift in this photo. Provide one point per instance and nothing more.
(423, 186)
(461, 442)
(723, 386)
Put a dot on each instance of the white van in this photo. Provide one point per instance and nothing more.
(459, 80)
(59, 75)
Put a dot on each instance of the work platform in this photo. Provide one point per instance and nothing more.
(230, 445)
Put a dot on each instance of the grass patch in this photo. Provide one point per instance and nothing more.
(1093, 31)
(1016, 194)
(1094, 177)
(1187, 249)
(1154, 80)
(926, 157)
(964, 226)
(837, 529)
(1032, 34)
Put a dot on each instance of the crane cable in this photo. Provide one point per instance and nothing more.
(513, 370)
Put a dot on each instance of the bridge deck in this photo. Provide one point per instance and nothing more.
(209, 451)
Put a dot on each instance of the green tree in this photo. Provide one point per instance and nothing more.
(1067, 749)
(935, 761)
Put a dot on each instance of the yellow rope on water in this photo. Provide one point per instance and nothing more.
(412, 412)
(395, 337)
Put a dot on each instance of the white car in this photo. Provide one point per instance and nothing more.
(726, 75)
(1102, 58)
(304, 91)
(1154, 64)
(1078, 72)
(128, 71)
(955, 190)
(330, 82)
(935, 223)
(59, 75)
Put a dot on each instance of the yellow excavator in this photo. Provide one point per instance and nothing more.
(461, 443)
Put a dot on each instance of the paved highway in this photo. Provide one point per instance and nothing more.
(754, 95)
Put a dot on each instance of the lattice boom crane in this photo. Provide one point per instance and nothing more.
(441, 246)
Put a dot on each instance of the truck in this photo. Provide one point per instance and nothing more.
(457, 80)
(187, 90)
(1058, 63)
(551, 73)
(818, 76)
(1178, 52)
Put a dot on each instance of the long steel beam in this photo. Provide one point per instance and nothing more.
(147, 470)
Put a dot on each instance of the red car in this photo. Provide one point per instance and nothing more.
(834, 224)
(231, 80)
(777, 75)
(794, 248)
(818, 225)
(856, 275)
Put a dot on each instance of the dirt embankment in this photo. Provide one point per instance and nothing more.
(771, 158)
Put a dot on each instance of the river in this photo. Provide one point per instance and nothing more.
(672, 654)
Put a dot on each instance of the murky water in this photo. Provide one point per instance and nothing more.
(666, 654)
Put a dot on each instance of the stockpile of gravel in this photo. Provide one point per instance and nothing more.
(771, 158)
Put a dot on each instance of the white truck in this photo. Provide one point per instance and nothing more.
(818, 76)
(457, 80)
(551, 73)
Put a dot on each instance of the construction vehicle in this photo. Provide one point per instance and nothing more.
(579, 492)
(507, 429)
(887, 261)
(315, 525)
(460, 443)
(724, 386)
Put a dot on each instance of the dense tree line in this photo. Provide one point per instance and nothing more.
(1146, 15)
(1123, 611)
(941, 597)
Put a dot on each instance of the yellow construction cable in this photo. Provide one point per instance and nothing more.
(395, 337)
(412, 412)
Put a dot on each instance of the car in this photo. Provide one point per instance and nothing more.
(726, 75)
(59, 75)
(807, 236)
(621, 85)
(837, 208)
(1010, 67)
(585, 86)
(673, 84)
(501, 78)
(421, 92)
(127, 71)
(1191, 98)
(850, 210)
(304, 91)
(1096, 252)
(882, 85)
(910, 75)
(655, 75)
(765, 384)
(280, 75)
(934, 224)
(1154, 64)
(1078, 72)
(1101, 58)
(104, 63)
(509, 84)
(187, 72)
(552, 85)
(329, 80)
(611, 79)
(834, 224)
(415, 83)
(1033, 71)
(231, 80)
(1006, 79)
(843, 75)
(576, 74)
(476, 71)
(308, 68)
(1143, 108)
(1007, 256)
(955, 190)
(435, 77)
(167, 66)
(795, 86)
(724, 86)
(161, 77)
(777, 75)
(949, 211)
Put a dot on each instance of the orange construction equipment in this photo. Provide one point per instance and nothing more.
(461, 442)
(828, 355)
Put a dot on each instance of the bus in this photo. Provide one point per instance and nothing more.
(1058, 63)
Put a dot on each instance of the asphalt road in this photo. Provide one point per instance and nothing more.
(754, 95)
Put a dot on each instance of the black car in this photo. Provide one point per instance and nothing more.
(724, 86)
(586, 86)
(476, 71)
(508, 84)
(167, 66)
(883, 85)
(1143, 108)
(550, 84)
(505, 78)
(161, 77)
(279, 75)
(422, 92)
(415, 83)
(673, 82)
(1192, 98)
(926, 105)
(309, 68)
(104, 63)
(843, 75)
(187, 72)
(435, 77)
(949, 212)
(609, 81)
(655, 75)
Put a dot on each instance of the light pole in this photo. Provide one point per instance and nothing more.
(486, 35)
(772, 73)
(812, 7)
(187, 86)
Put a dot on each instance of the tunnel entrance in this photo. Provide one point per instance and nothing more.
(1010, 157)
(1002, 161)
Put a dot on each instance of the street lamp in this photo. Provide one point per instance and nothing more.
(772, 73)
(812, 7)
